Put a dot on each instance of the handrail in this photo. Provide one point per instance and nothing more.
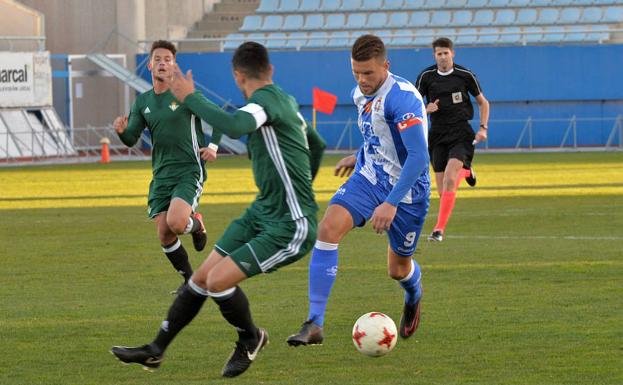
(40, 40)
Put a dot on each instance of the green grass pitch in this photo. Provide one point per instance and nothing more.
(527, 288)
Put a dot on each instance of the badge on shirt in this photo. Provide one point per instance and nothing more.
(173, 106)
(457, 97)
(378, 103)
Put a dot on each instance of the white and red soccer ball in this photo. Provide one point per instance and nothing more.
(374, 334)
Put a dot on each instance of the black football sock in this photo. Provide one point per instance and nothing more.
(235, 309)
(196, 225)
(193, 225)
(179, 258)
(185, 307)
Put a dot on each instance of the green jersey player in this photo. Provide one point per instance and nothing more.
(277, 229)
(177, 147)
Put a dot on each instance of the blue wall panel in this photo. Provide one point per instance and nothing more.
(542, 82)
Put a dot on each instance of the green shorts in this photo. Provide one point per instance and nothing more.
(161, 192)
(260, 246)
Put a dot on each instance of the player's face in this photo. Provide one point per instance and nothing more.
(370, 74)
(161, 63)
(444, 57)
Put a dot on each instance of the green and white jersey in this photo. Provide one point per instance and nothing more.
(176, 135)
(278, 148)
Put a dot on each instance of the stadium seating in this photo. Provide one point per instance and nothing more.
(333, 24)
(526, 16)
(377, 20)
(272, 23)
(276, 40)
(297, 40)
(309, 6)
(313, 22)
(293, 23)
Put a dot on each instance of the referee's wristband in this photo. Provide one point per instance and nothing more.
(483, 127)
(213, 146)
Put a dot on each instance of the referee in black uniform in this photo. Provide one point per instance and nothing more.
(447, 87)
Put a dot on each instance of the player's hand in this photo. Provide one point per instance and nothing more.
(382, 217)
(432, 107)
(181, 85)
(481, 136)
(345, 166)
(120, 124)
(208, 154)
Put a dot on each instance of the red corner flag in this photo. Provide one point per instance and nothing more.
(324, 101)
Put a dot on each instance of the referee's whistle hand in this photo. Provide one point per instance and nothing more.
(432, 107)
(481, 136)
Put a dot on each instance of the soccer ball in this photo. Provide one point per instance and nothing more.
(374, 334)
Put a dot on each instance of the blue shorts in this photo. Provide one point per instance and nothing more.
(361, 198)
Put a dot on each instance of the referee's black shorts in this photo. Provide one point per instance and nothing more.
(453, 141)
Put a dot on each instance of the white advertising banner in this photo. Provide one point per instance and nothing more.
(25, 79)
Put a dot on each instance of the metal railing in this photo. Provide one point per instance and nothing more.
(36, 41)
(570, 134)
(79, 145)
(84, 142)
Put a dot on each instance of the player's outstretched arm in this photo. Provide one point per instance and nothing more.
(233, 125)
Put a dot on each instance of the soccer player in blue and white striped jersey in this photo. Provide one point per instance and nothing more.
(390, 186)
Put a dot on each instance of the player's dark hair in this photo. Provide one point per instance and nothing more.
(368, 47)
(162, 44)
(443, 42)
(251, 58)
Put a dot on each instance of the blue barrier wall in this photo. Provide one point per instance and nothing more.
(550, 84)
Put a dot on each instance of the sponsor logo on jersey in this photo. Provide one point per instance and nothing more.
(147, 110)
(408, 116)
(340, 191)
(173, 106)
(368, 107)
(408, 123)
(246, 265)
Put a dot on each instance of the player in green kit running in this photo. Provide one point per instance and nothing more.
(177, 165)
(277, 229)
